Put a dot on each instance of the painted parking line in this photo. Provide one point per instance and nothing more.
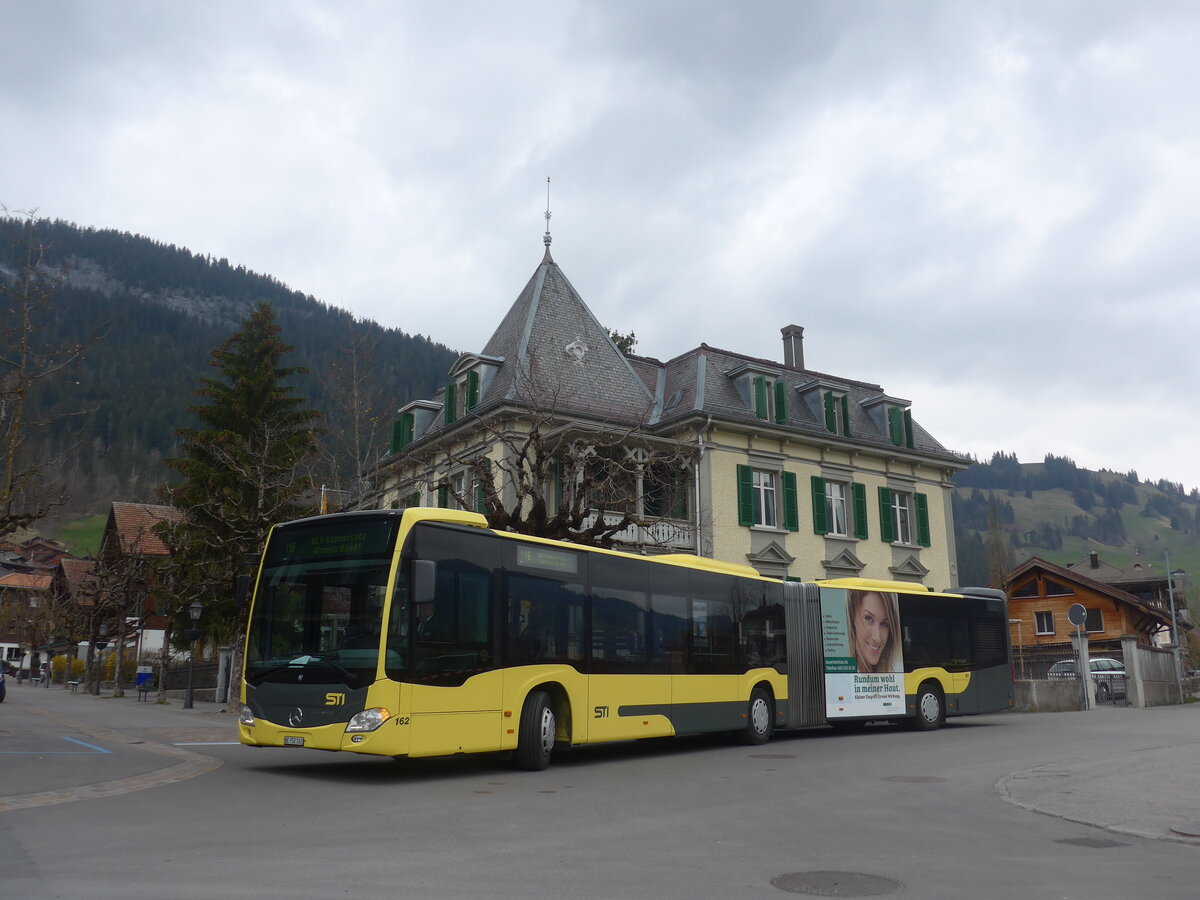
(91, 748)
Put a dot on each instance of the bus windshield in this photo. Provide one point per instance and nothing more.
(318, 610)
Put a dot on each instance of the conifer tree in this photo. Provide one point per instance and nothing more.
(243, 470)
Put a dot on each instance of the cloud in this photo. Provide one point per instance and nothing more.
(987, 208)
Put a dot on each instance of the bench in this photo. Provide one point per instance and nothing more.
(144, 689)
(74, 686)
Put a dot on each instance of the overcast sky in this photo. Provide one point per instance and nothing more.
(986, 208)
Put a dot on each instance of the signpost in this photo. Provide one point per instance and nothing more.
(1077, 615)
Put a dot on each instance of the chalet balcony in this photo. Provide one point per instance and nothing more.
(673, 535)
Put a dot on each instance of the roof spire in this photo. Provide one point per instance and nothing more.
(546, 237)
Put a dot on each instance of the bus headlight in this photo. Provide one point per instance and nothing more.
(245, 716)
(367, 720)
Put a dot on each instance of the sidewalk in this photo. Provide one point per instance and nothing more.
(154, 740)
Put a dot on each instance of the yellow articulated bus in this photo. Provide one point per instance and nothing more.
(424, 633)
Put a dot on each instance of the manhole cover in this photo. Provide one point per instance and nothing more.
(914, 779)
(836, 884)
(1094, 843)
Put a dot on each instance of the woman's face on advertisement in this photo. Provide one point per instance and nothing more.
(872, 629)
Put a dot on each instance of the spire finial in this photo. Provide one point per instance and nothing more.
(546, 237)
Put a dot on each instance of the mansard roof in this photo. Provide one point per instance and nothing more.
(550, 353)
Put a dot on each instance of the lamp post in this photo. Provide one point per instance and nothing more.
(101, 643)
(193, 635)
(46, 670)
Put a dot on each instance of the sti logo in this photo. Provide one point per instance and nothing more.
(335, 699)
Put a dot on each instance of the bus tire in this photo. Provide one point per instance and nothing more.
(931, 708)
(760, 718)
(535, 738)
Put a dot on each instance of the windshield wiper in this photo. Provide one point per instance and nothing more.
(302, 661)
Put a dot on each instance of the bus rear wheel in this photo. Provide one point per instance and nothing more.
(931, 708)
(535, 737)
(760, 718)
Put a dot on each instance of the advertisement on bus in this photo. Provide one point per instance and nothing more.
(864, 664)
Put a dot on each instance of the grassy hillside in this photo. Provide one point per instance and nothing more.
(1062, 513)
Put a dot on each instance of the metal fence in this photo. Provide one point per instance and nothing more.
(1033, 663)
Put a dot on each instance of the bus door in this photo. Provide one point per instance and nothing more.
(453, 685)
(629, 683)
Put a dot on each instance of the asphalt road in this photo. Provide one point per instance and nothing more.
(104, 798)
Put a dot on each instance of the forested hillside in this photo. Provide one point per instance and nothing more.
(148, 314)
(1060, 512)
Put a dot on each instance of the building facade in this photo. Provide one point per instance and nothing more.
(767, 463)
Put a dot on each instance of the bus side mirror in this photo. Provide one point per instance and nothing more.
(241, 589)
(424, 580)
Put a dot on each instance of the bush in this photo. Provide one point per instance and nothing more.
(59, 666)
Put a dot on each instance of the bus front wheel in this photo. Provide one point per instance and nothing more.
(535, 740)
(931, 708)
(760, 718)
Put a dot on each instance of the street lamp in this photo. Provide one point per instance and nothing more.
(193, 635)
(46, 671)
(101, 643)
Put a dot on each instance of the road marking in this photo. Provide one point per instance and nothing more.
(90, 746)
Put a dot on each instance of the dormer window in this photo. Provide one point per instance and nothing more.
(469, 379)
(829, 403)
(764, 393)
(462, 396)
(411, 423)
(893, 417)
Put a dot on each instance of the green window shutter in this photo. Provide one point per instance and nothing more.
(887, 531)
(780, 403)
(397, 436)
(449, 413)
(415, 500)
(760, 397)
(846, 414)
(745, 484)
(480, 505)
(472, 389)
(908, 432)
(896, 425)
(922, 520)
(444, 496)
(830, 412)
(558, 488)
(820, 525)
(791, 502)
(395, 504)
(860, 511)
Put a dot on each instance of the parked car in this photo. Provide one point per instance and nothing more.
(1107, 673)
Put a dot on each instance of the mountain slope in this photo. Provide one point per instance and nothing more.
(150, 314)
(1060, 512)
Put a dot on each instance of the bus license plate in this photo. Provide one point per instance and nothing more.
(293, 741)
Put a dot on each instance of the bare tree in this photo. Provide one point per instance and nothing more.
(347, 450)
(536, 469)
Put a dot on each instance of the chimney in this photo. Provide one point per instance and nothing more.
(793, 346)
(1094, 558)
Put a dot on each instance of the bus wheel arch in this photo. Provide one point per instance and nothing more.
(931, 707)
(760, 716)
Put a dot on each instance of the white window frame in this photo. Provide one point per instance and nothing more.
(902, 513)
(837, 518)
(1039, 625)
(764, 488)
